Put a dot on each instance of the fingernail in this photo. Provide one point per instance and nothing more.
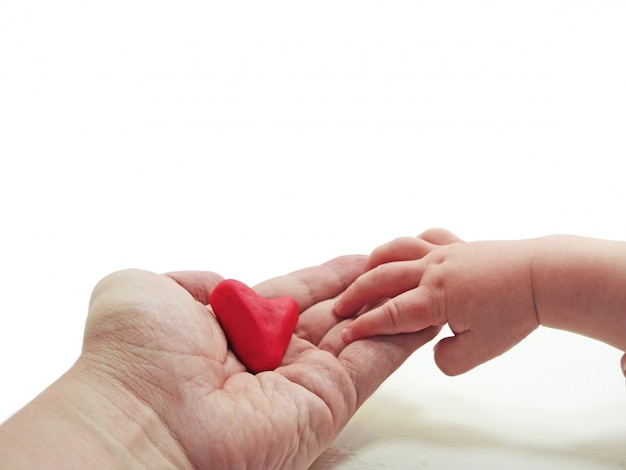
(337, 307)
(346, 335)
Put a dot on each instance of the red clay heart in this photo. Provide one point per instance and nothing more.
(258, 329)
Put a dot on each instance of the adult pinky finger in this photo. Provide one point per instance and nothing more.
(409, 312)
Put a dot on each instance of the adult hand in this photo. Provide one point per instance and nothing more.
(157, 380)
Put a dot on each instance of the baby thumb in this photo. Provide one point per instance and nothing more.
(460, 353)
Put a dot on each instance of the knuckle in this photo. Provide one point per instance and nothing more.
(393, 315)
(379, 274)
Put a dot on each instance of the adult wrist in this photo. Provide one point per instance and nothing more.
(87, 420)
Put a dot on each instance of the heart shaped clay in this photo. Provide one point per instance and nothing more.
(258, 329)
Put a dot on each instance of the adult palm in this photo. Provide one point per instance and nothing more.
(157, 337)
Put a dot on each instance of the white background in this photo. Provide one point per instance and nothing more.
(255, 138)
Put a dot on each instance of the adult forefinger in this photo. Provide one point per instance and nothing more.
(309, 286)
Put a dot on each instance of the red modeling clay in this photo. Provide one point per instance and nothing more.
(258, 329)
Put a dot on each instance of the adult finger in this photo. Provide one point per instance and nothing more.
(316, 321)
(314, 284)
(384, 281)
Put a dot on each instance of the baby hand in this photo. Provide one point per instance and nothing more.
(482, 290)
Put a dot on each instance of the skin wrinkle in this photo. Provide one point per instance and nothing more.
(354, 379)
(231, 437)
(329, 276)
(151, 385)
(303, 420)
(139, 333)
(533, 263)
(136, 350)
(309, 291)
(274, 390)
(314, 321)
(113, 379)
(390, 310)
(344, 283)
(148, 434)
(303, 334)
(196, 289)
(138, 345)
(113, 444)
(440, 285)
(303, 423)
(316, 391)
(264, 401)
(312, 299)
(380, 274)
(439, 298)
(149, 381)
(353, 369)
(263, 414)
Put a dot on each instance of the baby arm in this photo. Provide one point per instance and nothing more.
(492, 294)
(580, 286)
